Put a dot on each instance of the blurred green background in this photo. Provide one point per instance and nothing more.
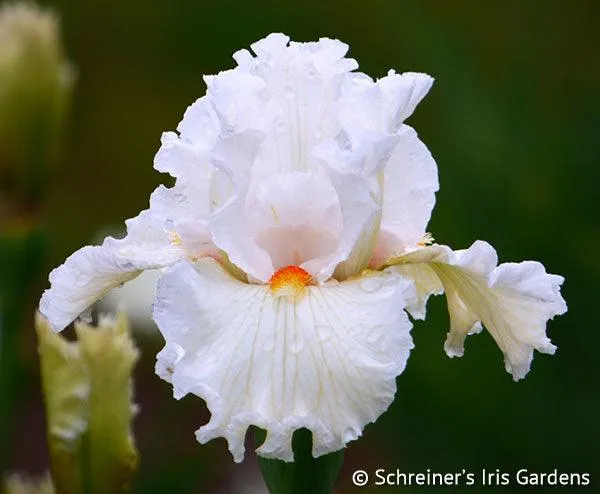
(512, 121)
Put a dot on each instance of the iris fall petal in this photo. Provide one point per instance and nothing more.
(325, 359)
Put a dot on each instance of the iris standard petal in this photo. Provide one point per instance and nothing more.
(410, 185)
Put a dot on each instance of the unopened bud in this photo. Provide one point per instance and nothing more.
(35, 86)
(87, 390)
(18, 484)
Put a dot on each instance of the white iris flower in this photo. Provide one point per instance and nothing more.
(293, 241)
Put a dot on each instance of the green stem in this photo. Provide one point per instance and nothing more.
(20, 255)
(305, 474)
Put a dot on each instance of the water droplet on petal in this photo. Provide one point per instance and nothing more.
(311, 74)
(297, 344)
(288, 91)
(354, 355)
(371, 284)
(172, 354)
(355, 330)
(374, 335)
(349, 435)
(323, 331)
(269, 344)
(211, 358)
(263, 67)
(390, 281)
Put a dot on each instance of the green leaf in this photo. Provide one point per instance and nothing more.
(305, 474)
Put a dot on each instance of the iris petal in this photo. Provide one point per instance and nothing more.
(325, 359)
(514, 301)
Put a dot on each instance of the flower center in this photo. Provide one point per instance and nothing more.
(289, 280)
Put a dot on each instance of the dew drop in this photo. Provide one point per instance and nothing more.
(172, 354)
(374, 335)
(288, 91)
(323, 332)
(355, 329)
(269, 344)
(263, 67)
(390, 281)
(297, 344)
(354, 355)
(343, 141)
(211, 358)
(311, 74)
(371, 284)
(349, 435)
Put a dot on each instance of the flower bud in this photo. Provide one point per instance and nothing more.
(87, 389)
(35, 85)
(17, 484)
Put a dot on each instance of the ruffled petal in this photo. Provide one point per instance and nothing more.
(371, 111)
(427, 283)
(228, 226)
(135, 298)
(295, 217)
(174, 156)
(200, 126)
(91, 272)
(325, 359)
(310, 114)
(201, 187)
(180, 155)
(362, 215)
(514, 301)
(397, 175)
(359, 192)
(402, 93)
(409, 197)
(292, 94)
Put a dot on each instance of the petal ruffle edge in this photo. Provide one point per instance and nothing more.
(325, 360)
(91, 272)
(514, 301)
